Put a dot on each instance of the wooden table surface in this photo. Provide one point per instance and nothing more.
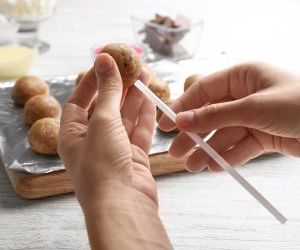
(200, 211)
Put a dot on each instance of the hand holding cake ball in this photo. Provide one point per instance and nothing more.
(129, 65)
(107, 155)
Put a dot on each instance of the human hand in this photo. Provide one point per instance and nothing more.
(107, 158)
(254, 107)
(113, 146)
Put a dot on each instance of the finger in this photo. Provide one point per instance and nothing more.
(242, 152)
(110, 87)
(80, 99)
(236, 82)
(144, 78)
(243, 113)
(106, 117)
(84, 92)
(143, 131)
(207, 89)
(182, 144)
(140, 157)
(73, 114)
(221, 141)
(73, 126)
(288, 146)
(132, 105)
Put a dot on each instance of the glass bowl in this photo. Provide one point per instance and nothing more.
(162, 42)
(16, 60)
(28, 14)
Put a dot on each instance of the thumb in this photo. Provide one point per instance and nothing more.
(218, 115)
(110, 85)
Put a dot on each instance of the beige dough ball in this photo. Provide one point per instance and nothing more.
(41, 106)
(160, 88)
(79, 77)
(127, 60)
(43, 136)
(27, 87)
(189, 81)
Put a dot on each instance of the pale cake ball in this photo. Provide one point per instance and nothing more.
(43, 136)
(189, 81)
(157, 85)
(41, 106)
(160, 88)
(128, 62)
(27, 87)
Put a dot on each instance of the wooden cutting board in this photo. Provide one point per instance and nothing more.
(30, 186)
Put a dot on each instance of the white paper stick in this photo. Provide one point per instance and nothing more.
(214, 155)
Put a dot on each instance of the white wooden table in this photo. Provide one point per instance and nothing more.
(203, 211)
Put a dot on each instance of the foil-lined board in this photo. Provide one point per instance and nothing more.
(15, 151)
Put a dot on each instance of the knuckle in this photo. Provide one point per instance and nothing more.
(257, 112)
(256, 102)
(205, 118)
(245, 78)
(104, 117)
(109, 84)
(253, 66)
(207, 111)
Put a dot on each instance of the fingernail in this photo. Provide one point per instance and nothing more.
(215, 169)
(194, 170)
(184, 119)
(104, 63)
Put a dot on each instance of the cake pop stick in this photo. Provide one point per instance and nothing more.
(214, 155)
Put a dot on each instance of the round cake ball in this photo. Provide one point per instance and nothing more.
(27, 87)
(41, 106)
(190, 80)
(79, 77)
(127, 60)
(160, 88)
(43, 136)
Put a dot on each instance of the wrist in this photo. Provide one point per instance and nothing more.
(124, 218)
(113, 195)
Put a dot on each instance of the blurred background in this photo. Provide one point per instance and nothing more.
(239, 30)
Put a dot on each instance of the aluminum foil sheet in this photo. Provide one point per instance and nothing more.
(16, 153)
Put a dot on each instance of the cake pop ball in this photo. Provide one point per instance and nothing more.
(27, 87)
(43, 136)
(128, 62)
